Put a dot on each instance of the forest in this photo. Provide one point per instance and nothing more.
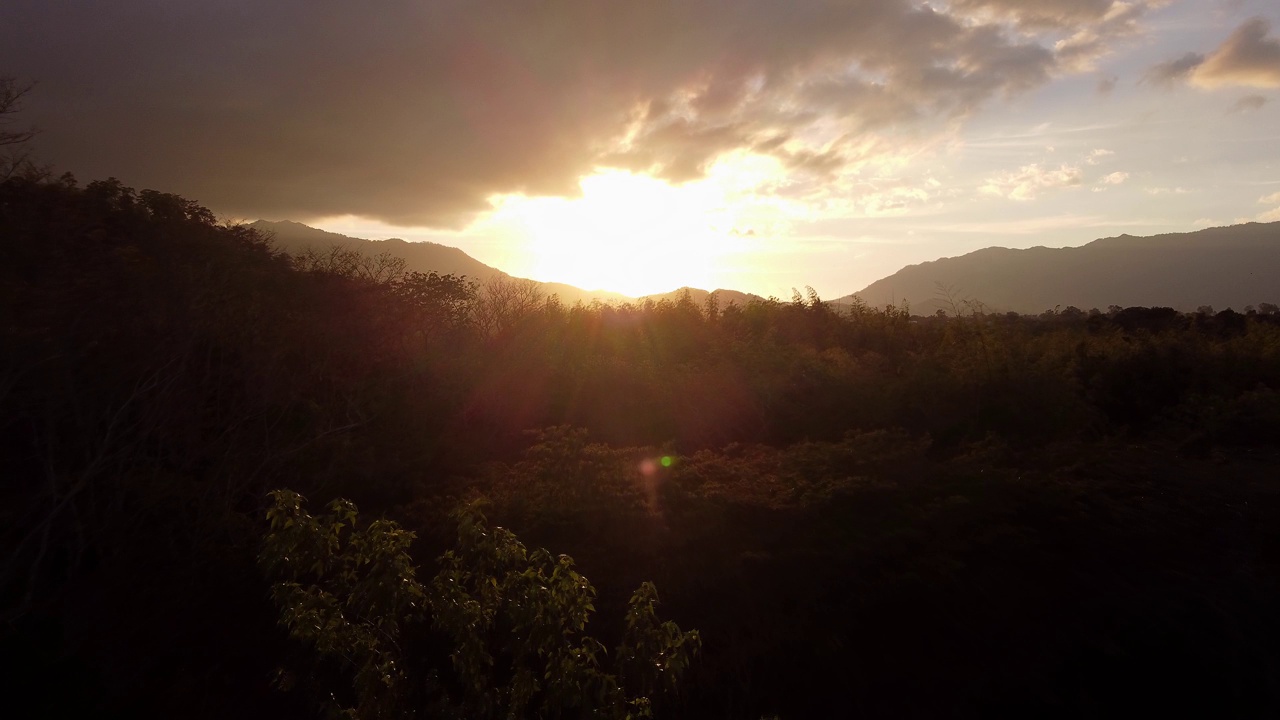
(240, 483)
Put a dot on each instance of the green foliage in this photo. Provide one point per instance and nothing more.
(346, 591)
(514, 621)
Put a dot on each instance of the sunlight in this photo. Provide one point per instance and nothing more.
(635, 234)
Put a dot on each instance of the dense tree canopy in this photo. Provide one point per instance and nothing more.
(862, 511)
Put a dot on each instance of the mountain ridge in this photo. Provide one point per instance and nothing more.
(427, 256)
(420, 256)
(1229, 266)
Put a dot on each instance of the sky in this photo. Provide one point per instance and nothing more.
(643, 146)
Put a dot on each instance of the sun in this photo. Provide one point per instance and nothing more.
(628, 233)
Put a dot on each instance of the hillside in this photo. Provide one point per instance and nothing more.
(420, 256)
(699, 297)
(1220, 267)
(1013, 517)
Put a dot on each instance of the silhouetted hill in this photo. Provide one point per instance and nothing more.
(699, 297)
(420, 256)
(1221, 267)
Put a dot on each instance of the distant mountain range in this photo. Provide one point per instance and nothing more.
(294, 237)
(1223, 267)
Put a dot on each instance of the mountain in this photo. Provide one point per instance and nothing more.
(699, 297)
(295, 237)
(424, 257)
(1222, 267)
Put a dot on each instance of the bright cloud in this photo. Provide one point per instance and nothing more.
(1098, 155)
(1027, 182)
(1273, 214)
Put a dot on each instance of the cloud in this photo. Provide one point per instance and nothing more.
(1115, 178)
(1272, 215)
(421, 111)
(1172, 72)
(1026, 182)
(1249, 57)
(1096, 156)
(1107, 85)
(1043, 14)
(1081, 50)
(1247, 104)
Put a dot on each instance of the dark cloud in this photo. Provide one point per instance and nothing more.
(418, 111)
(1249, 57)
(1173, 72)
(677, 149)
(1248, 103)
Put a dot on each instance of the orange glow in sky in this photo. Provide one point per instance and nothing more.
(638, 235)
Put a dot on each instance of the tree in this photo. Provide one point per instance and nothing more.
(381, 269)
(439, 303)
(513, 619)
(504, 301)
(16, 160)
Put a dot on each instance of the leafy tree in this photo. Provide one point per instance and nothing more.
(447, 296)
(513, 619)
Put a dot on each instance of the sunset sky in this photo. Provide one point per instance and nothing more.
(642, 146)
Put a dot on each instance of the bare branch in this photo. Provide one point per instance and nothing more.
(16, 160)
(11, 94)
